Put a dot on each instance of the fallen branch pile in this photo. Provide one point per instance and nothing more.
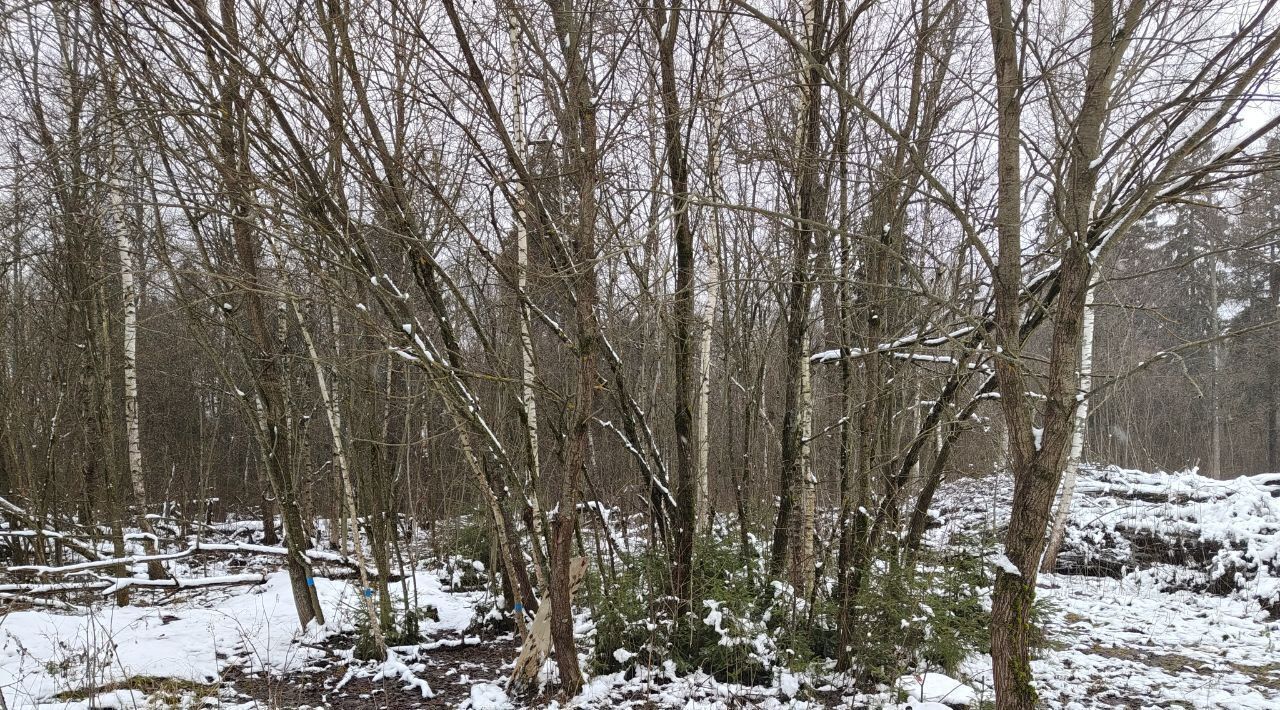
(89, 574)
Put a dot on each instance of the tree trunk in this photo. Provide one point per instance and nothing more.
(133, 436)
(688, 477)
(1273, 365)
(528, 372)
(803, 561)
(702, 508)
(537, 643)
(269, 536)
(578, 126)
(710, 245)
(273, 425)
(1215, 377)
(1038, 455)
(1014, 594)
(115, 221)
(796, 412)
(1076, 454)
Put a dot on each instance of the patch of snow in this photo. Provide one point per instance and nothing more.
(789, 684)
(938, 688)
(1005, 564)
(487, 696)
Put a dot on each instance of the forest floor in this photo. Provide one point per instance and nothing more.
(1144, 636)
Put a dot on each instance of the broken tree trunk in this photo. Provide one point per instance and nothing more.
(537, 644)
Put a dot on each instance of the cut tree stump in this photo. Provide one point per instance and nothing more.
(537, 645)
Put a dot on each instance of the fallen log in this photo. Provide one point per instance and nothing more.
(110, 585)
(37, 601)
(315, 555)
(42, 570)
(46, 588)
(119, 584)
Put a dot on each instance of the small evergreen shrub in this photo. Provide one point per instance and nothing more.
(731, 630)
(366, 648)
(931, 615)
(405, 630)
(473, 537)
(743, 627)
(408, 630)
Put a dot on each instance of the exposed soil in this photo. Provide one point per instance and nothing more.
(450, 671)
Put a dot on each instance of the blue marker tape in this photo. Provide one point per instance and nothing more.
(311, 582)
(368, 592)
(518, 607)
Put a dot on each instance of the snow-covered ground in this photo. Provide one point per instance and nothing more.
(1178, 611)
(47, 655)
(1180, 607)
(1125, 643)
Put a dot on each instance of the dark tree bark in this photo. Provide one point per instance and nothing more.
(666, 26)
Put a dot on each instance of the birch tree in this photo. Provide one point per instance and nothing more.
(1075, 454)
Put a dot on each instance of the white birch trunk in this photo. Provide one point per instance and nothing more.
(801, 529)
(132, 425)
(528, 371)
(702, 415)
(712, 248)
(917, 417)
(808, 484)
(1076, 453)
(133, 432)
